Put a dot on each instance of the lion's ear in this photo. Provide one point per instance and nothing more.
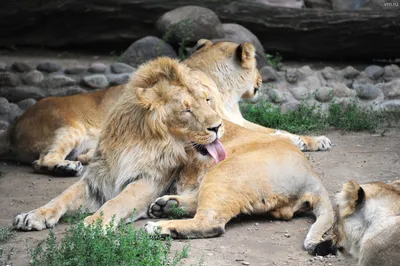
(351, 196)
(148, 98)
(202, 43)
(246, 52)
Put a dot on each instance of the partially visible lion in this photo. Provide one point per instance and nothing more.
(261, 174)
(368, 222)
(59, 134)
(166, 112)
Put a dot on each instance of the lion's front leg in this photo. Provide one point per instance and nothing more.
(136, 197)
(48, 215)
(163, 206)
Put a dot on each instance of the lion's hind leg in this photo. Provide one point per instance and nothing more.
(66, 139)
(48, 215)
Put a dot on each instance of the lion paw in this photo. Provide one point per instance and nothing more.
(33, 220)
(68, 168)
(320, 143)
(296, 140)
(162, 207)
(152, 228)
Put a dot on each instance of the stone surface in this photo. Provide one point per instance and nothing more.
(48, 67)
(4, 124)
(291, 75)
(239, 34)
(14, 113)
(21, 67)
(33, 77)
(145, 49)
(118, 79)
(276, 96)
(75, 70)
(318, 4)
(393, 105)
(97, 68)
(391, 72)
(312, 83)
(4, 106)
(391, 90)
(9, 79)
(3, 66)
(350, 72)
(121, 68)
(97, 81)
(300, 93)
(340, 90)
(374, 72)
(366, 91)
(290, 106)
(268, 73)
(329, 73)
(21, 92)
(324, 94)
(57, 81)
(25, 104)
(189, 23)
(66, 91)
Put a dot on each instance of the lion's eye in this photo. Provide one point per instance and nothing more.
(187, 110)
(208, 101)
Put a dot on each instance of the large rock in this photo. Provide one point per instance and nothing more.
(4, 106)
(268, 73)
(190, 23)
(25, 104)
(365, 4)
(97, 67)
(300, 93)
(48, 67)
(284, 3)
(9, 79)
(121, 68)
(391, 72)
(118, 79)
(324, 94)
(32, 78)
(366, 91)
(21, 92)
(57, 81)
(21, 67)
(96, 81)
(391, 90)
(319, 4)
(145, 49)
(374, 72)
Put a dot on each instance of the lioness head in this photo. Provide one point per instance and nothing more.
(176, 103)
(358, 206)
(232, 66)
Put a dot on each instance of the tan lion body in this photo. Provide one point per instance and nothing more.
(262, 174)
(368, 222)
(60, 126)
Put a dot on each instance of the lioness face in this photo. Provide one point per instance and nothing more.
(233, 66)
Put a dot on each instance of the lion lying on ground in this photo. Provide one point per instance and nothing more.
(59, 134)
(165, 126)
(164, 113)
(368, 223)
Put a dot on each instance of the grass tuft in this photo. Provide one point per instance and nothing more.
(5, 234)
(313, 119)
(177, 213)
(93, 245)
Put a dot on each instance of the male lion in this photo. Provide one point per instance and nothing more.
(261, 174)
(368, 222)
(59, 134)
(165, 112)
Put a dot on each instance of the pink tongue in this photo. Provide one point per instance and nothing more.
(216, 150)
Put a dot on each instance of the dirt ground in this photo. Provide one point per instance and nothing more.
(254, 240)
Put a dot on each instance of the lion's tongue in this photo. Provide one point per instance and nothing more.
(216, 150)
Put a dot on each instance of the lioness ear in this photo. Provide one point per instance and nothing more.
(202, 43)
(246, 54)
(148, 98)
(351, 196)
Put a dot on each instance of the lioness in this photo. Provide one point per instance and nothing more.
(367, 222)
(59, 134)
(166, 111)
(261, 174)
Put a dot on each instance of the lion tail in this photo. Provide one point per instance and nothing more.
(323, 211)
(5, 143)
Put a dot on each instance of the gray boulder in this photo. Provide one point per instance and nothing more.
(189, 23)
(75, 70)
(318, 4)
(25, 104)
(21, 92)
(118, 79)
(324, 94)
(350, 72)
(57, 81)
(121, 68)
(14, 113)
(374, 72)
(145, 49)
(3, 66)
(9, 79)
(289, 107)
(97, 68)
(391, 72)
(66, 91)
(4, 106)
(268, 73)
(48, 67)
(300, 93)
(391, 90)
(21, 67)
(96, 81)
(33, 77)
(4, 124)
(366, 91)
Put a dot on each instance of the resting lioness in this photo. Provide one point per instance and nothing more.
(165, 112)
(368, 222)
(59, 133)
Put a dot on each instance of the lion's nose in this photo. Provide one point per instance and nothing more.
(215, 129)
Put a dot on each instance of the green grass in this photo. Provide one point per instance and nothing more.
(312, 119)
(177, 213)
(5, 234)
(74, 218)
(93, 246)
(275, 60)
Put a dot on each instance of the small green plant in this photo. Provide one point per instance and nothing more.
(177, 213)
(313, 119)
(94, 245)
(75, 217)
(275, 60)
(184, 27)
(5, 234)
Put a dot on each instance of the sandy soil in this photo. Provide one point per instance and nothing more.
(254, 240)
